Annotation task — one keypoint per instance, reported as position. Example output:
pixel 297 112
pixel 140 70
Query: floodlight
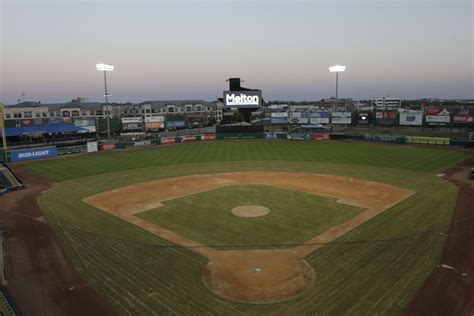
pixel 337 68
pixel 104 67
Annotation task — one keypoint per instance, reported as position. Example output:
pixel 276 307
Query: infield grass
pixel 372 270
pixel 295 217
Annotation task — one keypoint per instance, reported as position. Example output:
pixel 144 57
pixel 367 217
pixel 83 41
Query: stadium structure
pixel 234 207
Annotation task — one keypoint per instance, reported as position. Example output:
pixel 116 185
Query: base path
pixel 252 276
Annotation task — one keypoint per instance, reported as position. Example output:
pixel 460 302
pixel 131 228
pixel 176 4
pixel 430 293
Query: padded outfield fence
pixel 229 133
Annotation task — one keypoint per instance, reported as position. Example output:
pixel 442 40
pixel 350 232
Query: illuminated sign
pixel 242 99
pixel 250 99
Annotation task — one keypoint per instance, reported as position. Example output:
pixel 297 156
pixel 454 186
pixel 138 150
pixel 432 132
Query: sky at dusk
pixel 166 50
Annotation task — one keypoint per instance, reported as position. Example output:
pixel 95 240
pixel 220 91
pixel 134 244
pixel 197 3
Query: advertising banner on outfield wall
pixel 141 143
pixel 428 140
pixel 271 136
pixel 168 140
pixel 341 117
pixel 318 137
pixel 208 137
pixel 92 147
pixel 385 138
pixel 414 118
pixel 188 138
pixel 106 147
pixel 31 154
pixel 437 116
pixel 464 116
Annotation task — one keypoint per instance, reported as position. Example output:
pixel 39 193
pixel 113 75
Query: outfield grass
pixel 295 216
pixel 361 273
pixel 422 159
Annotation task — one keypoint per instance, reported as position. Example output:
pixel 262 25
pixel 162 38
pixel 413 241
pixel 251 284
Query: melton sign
pixel 242 98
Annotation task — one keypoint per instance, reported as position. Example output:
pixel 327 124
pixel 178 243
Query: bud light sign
pixel 31 154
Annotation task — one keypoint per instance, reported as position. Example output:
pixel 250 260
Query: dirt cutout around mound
pixel 250 211
pixel 252 276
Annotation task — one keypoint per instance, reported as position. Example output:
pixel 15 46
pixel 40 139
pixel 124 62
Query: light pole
pixel 105 68
pixel 337 69
pixel 4 136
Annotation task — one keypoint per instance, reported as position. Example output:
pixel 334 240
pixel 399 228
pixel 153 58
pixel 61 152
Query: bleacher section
pixel 8 181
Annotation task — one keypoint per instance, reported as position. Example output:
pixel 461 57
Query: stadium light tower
pixel 337 69
pixel 2 129
pixel 105 68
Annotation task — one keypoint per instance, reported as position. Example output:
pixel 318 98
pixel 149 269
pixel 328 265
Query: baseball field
pixel 253 227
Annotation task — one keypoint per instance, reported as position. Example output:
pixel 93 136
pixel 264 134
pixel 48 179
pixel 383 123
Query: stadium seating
pixel 8 181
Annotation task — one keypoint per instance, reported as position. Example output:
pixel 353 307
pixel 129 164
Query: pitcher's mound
pixel 258 276
pixel 250 211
